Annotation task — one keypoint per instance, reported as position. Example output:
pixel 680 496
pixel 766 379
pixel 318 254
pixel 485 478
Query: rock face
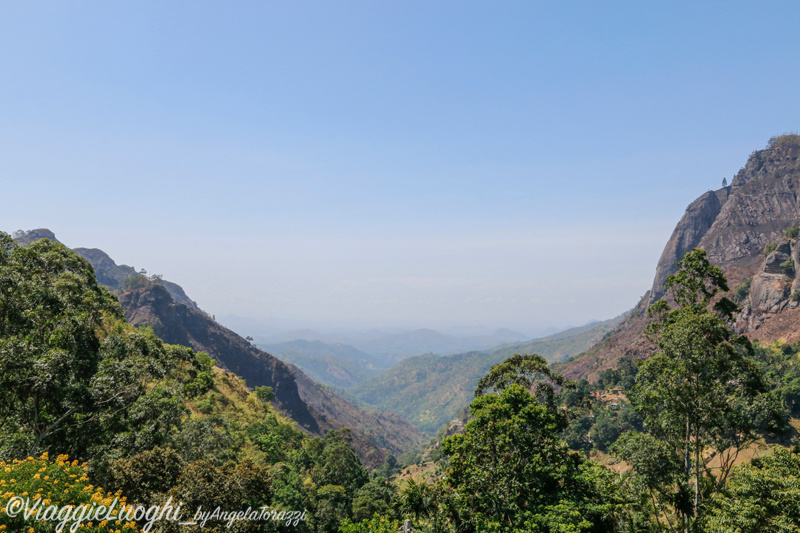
pixel 695 223
pixel 734 225
pixel 113 275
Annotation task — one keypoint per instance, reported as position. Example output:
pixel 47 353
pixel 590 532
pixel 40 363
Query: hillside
pixel 150 303
pixel 429 390
pixel 337 365
pixel 297 394
pixel 746 228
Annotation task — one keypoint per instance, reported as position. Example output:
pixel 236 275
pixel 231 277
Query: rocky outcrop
pixel 113 276
pixel 695 223
pixel 734 225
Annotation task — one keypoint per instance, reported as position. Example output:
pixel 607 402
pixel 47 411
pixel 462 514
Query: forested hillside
pixel 429 390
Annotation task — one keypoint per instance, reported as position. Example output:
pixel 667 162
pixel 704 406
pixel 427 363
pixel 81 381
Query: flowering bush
pixel 52 492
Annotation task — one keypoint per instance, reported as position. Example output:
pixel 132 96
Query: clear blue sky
pixel 425 163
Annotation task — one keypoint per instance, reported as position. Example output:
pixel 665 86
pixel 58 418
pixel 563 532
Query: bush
pixel 769 248
pixel 795 296
pixel 265 394
pixel 742 291
pixel 788 139
pixel 378 524
pixel 792 233
pixel 57 483
pixel 787 267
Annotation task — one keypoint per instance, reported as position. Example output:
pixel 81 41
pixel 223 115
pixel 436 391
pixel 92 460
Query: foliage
pixel 376 524
pixel 770 247
pixel 792 233
pixel 761 497
pixel 265 394
pixel 375 497
pixel 741 292
pixel 702 389
pixel 785 140
pixel 509 470
pixel 787 267
pixel 72 373
pixel 59 483
pixel 780 363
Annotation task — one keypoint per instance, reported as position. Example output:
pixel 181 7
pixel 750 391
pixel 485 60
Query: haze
pixel 387 164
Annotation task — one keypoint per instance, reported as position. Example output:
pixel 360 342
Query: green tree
pixel 761 497
pixel 265 394
pixel 701 390
pixel 375 497
pixel 509 471
pixel 50 310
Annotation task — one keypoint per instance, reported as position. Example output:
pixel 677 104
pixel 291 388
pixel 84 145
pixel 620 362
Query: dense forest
pixel 697 437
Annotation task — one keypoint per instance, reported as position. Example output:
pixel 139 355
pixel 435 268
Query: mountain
pixel 151 303
pixel 429 390
pixel 337 365
pixel 419 341
pixel 747 231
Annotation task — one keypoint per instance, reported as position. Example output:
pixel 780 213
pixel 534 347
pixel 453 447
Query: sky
pixel 387 163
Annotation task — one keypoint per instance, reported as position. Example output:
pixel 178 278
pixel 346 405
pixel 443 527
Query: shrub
pixel 741 292
pixel 769 248
pixel 792 233
pixel 265 394
pixel 787 267
pixel 378 524
pixel 782 141
pixel 57 483
pixel 795 296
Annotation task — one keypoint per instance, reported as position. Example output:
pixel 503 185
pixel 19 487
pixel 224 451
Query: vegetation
pixel 742 291
pixel 701 392
pixel 151 422
pixel 770 247
pixel 785 140
pixel 429 391
pixel 787 267
pixel 792 233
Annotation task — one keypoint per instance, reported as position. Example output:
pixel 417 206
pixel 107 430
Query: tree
pixel 73 376
pixel 761 497
pixel 265 394
pixel 510 471
pixel 701 390
pixel 50 307
pixel 724 182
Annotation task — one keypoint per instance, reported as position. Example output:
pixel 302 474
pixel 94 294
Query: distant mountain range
pixel 388 348
pixel 337 365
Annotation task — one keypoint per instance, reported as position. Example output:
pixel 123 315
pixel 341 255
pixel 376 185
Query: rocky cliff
pixel 734 225
pixel 176 323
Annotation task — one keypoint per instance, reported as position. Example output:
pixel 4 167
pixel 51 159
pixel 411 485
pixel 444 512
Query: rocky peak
pixel 735 223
